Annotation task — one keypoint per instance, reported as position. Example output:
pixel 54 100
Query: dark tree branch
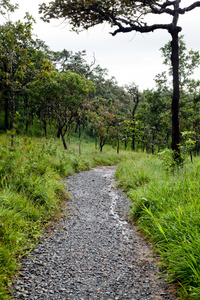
pixel 189 8
pixel 161 10
pixel 142 29
pixel 166 4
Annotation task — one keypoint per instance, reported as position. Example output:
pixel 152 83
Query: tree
pixel 60 96
pixel 38 66
pixel 74 62
pixel 133 92
pixel 103 121
pixel 21 59
pixel 14 43
pixel 127 16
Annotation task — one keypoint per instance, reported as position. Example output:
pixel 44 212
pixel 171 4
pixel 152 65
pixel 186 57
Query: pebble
pixel 92 252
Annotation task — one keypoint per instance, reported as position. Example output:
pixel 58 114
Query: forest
pixel 60 114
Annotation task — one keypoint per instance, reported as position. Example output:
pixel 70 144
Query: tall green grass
pixel 166 206
pixel 32 192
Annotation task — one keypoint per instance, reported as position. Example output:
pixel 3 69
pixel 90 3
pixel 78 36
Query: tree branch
pixel 142 29
pixel 189 8
pixel 161 10
pixel 166 4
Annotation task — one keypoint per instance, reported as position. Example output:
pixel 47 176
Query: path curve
pixel 92 252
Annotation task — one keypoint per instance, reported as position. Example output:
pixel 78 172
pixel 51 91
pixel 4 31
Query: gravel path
pixel 92 252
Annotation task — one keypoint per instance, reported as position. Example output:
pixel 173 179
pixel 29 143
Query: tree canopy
pixel 126 15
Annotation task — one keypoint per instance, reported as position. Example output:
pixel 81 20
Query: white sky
pixel 131 57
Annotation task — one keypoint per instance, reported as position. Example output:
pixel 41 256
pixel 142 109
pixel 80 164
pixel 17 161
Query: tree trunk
pixel 26 114
pixel 125 143
pixel 133 142
pixel 27 124
pixel 6 112
pixel 63 140
pixel 79 130
pixel 13 119
pixel 133 119
pixel 45 127
pixel 81 138
pixel 176 93
pixel 96 142
pixel 152 142
pixel 117 139
pixel 152 148
pixel 101 144
pixel 69 133
pixel 58 133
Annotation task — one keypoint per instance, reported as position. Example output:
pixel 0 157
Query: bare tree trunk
pixel 101 144
pixel 81 138
pixel 58 133
pixel 176 95
pixel 136 101
pixel 6 112
pixel 13 119
pixel 133 141
pixel 62 131
pixel 45 127
pixel 174 31
pixel 96 142
pixel 117 139
pixel 64 142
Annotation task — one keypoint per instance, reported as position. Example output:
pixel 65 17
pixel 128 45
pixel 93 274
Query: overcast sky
pixel 131 57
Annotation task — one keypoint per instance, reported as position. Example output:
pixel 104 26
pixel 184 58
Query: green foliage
pixel 189 143
pixel 86 14
pixel 20 61
pixel 169 163
pixel 7 7
pixel 60 96
pixel 188 61
pixel 14 38
pixel 167 209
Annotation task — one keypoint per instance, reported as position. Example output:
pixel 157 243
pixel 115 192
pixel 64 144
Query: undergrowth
pixel 166 206
pixel 32 192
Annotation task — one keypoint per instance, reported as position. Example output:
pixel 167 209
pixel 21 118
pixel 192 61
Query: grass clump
pixel 166 206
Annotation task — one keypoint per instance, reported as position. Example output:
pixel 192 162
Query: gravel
pixel 92 252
